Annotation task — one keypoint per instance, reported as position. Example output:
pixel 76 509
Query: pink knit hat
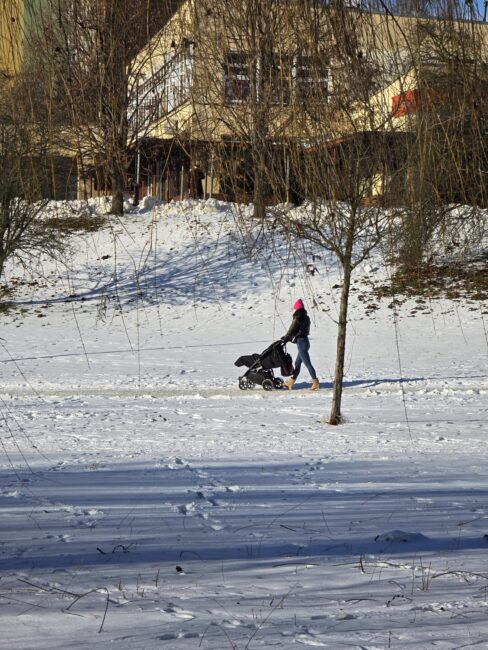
pixel 298 304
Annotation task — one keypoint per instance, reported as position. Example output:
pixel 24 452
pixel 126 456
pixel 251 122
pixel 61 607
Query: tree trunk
pixel 117 203
pixel 259 194
pixel 260 160
pixel 335 413
pixel 117 180
pixel 260 132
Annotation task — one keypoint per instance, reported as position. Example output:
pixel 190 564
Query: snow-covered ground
pixel 147 502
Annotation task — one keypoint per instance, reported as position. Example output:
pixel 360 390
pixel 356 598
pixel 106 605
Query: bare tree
pixel 87 67
pixel 24 235
pixel 447 152
pixel 347 227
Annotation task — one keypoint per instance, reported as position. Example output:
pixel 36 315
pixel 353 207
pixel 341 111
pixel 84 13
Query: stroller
pixel 260 367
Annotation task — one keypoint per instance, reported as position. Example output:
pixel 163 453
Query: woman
pixel 298 333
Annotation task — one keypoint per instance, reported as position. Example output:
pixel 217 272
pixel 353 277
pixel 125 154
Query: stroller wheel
pixel 278 382
pixel 268 384
pixel 243 384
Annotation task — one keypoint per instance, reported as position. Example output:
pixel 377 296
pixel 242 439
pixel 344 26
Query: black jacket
pixel 300 326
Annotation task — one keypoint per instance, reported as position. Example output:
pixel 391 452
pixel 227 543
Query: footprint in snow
pixel 305 639
pixel 11 493
pixel 400 536
pixel 58 466
pixel 178 612
pixel 193 509
pixel 202 515
pixel 232 624
pixel 177 463
pixel 232 488
pixel 172 636
pixel 60 538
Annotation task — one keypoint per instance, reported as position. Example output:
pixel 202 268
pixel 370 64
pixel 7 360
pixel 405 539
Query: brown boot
pixel 289 383
pixel 315 384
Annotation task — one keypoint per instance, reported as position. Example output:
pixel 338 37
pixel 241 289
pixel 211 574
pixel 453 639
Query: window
pixel 312 78
pixel 236 77
pixel 281 80
pixel 276 78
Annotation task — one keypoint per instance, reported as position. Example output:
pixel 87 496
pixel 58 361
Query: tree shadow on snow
pixel 277 513
pixel 195 273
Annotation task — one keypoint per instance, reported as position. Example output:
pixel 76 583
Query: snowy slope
pixel 146 502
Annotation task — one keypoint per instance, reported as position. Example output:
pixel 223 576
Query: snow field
pixel 148 503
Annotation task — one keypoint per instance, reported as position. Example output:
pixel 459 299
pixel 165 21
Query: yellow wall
pixel 205 115
pixel 11 36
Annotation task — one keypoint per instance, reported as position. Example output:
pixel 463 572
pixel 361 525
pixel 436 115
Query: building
pixel 215 86
pixel 12 21
pixel 31 39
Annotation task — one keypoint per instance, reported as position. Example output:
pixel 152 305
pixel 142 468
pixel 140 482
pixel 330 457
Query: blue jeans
pixel 303 346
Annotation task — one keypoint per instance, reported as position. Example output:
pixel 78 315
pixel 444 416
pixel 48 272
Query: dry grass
pixel 76 223
pixel 452 281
